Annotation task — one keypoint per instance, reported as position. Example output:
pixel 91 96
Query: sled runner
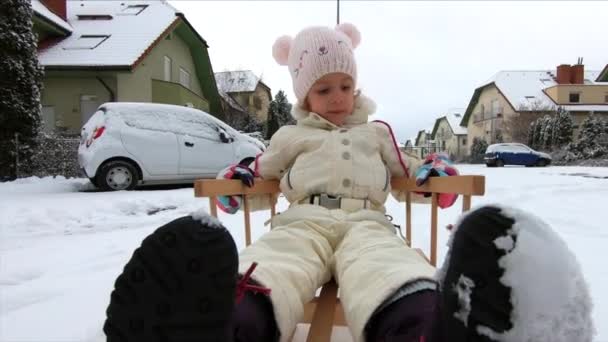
pixel 325 311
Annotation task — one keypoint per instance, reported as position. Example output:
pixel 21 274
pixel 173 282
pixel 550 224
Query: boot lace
pixel 244 284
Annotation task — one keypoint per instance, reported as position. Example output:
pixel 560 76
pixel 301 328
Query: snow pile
pixel 206 219
pixel 49 184
pixel 550 297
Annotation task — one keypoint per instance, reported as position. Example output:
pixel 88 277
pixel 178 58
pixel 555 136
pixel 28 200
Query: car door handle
pixel 188 144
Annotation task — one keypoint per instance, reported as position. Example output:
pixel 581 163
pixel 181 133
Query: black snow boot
pixel 179 285
pixel 509 277
pixel 472 294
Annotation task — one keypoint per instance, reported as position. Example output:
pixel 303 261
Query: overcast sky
pixel 416 59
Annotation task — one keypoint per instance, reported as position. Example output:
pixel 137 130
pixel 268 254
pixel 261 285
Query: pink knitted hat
pixel 316 52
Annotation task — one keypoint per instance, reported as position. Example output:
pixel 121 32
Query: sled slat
pixel 213 206
pixel 434 207
pixel 247 220
pixel 322 320
pixel 408 218
pixel 466 202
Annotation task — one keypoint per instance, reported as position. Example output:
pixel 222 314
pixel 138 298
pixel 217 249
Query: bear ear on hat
pixel 280 49
pixel 351 32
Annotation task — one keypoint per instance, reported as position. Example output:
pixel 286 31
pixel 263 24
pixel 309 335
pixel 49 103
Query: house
pixel 513 97
pixel 449 136
pixel 409 144
pixel 128 51
pixel 424 144
pixel 243 93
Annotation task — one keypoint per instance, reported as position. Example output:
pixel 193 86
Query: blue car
pixel 514 154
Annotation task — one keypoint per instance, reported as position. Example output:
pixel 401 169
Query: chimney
pixel 58 7
pixel 563 74
pixel 577 72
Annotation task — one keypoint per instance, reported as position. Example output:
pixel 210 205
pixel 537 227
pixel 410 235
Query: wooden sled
pixel 324 312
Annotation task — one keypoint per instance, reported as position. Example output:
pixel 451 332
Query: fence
pixel 54 155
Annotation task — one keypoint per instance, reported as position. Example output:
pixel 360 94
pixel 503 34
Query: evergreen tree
pixel 498 137
pixel 531 132
pixel 538 130
pixel 546 132
pixel 564 126
pixel 588 144
pixel 279 114
pixel 478 150
pixel 20 85
pixel 283 109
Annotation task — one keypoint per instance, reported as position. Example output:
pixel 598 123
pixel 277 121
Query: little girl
pixel 186 282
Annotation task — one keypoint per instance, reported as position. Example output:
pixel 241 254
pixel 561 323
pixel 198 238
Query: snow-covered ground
pixel 62 246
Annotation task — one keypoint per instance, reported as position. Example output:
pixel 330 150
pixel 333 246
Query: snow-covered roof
pixel 525 88
pixel 40 9
pixel 454 117
pixel 120 41
pixel 236 81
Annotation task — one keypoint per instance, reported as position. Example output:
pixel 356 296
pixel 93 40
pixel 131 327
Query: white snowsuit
pixel 308 244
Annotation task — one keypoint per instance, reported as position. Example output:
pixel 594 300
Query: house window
pixel 606 98
pixel 133 9
pixel 257 102
pixel 167 69
pixel 495 108
pixel 184 78
pixel 87 41
pixel 483 112
pixel 464 141
pixel 575 97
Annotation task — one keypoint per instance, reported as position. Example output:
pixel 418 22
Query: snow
pixel 464 289
pixel 169 118
pixel 129 35
pixel 41 10
pixel 236 81
pixel 524 87
pixel 547 294
pixel 62 245
pixel 206 219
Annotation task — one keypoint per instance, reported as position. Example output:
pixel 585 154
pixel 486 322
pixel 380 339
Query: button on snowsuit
pixel 308 244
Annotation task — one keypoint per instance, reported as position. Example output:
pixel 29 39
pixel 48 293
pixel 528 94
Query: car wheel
pixel 541 163
pixel 490 165
pixel 499 163
pixel 117 175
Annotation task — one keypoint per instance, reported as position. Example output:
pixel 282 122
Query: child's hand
pixel 244 173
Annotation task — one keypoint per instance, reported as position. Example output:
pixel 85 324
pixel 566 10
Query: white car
pixel 128 144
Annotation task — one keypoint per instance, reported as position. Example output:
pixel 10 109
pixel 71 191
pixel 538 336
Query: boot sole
pixel 178 286
pixel 474 257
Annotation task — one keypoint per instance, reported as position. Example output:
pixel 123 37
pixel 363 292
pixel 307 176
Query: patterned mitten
pixel 231 204
pixel 437 165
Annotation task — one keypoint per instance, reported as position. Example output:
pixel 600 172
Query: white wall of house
pixel 483 121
